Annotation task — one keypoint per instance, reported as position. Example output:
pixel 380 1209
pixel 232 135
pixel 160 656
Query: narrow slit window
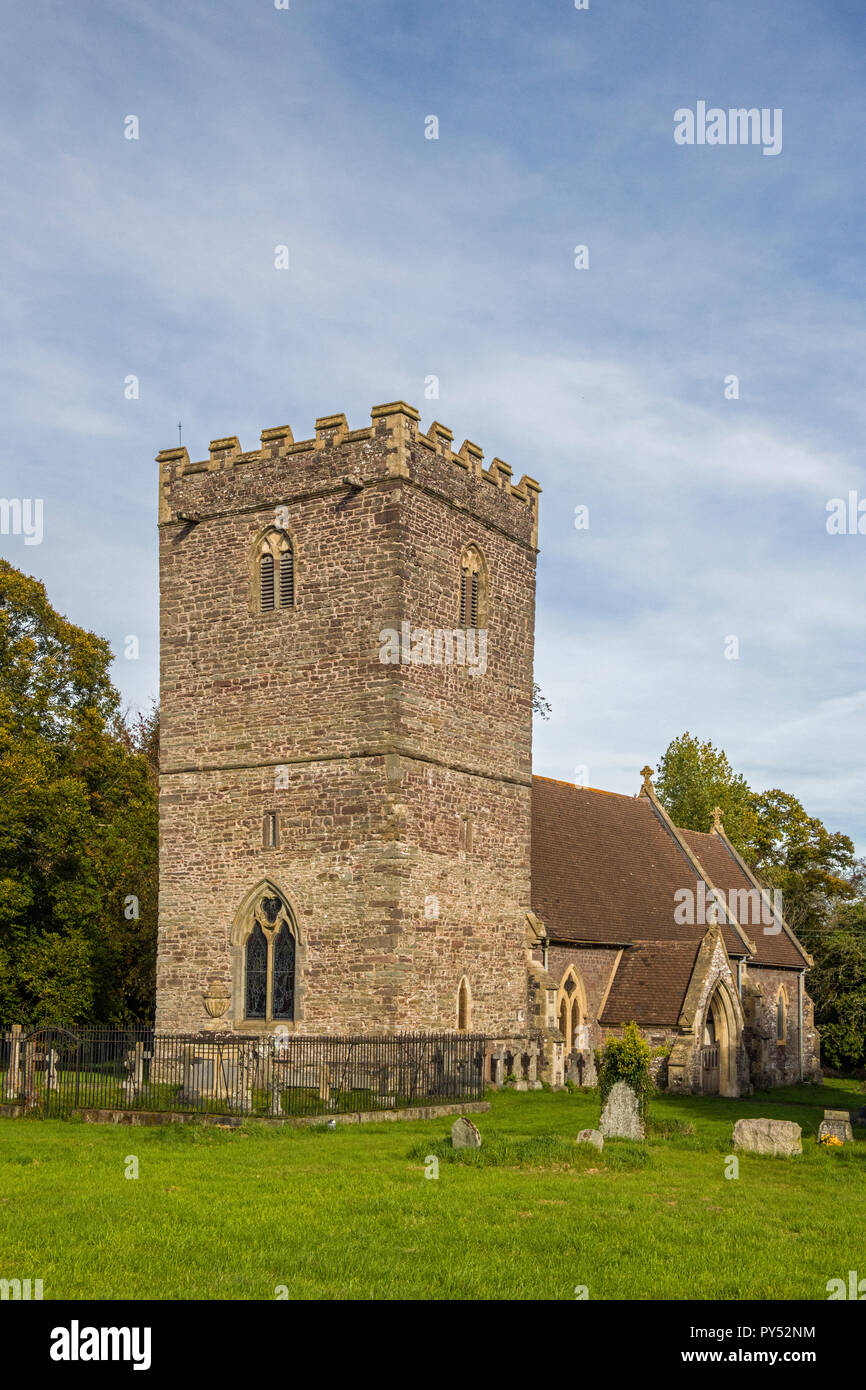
pixel 270 836
pixel 463 1008
pixel 473 589
pixel 266 565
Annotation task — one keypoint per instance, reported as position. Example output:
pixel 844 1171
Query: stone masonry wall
pixel 383 763
pixel 775 1063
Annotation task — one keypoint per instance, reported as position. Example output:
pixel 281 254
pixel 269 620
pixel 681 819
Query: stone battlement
pixel 398 419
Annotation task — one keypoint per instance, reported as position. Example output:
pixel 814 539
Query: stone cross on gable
pixel 717 828
pixel 647 774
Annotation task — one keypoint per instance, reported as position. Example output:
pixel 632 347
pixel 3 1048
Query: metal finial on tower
pixel 179 440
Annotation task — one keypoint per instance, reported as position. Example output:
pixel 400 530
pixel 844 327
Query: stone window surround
pixel 271 540
pixel 472 561
pixel 242 928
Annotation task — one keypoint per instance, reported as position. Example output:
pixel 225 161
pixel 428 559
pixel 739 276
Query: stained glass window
pixel 256 974
pixel 283 998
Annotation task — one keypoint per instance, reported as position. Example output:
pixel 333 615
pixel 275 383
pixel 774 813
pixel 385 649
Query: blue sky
pixel 454 257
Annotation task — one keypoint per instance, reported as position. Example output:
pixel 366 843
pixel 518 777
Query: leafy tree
pixel 838 980
pixel 626 1059
pixel 693 778
pixel 815 868
pixel 78 829
pixel 822 882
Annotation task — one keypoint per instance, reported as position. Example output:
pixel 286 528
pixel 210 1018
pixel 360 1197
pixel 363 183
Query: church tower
pixel 346 695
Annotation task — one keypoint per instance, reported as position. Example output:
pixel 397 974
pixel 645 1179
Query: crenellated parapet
pixel 396 425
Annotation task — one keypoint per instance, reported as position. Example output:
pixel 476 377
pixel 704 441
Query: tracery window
pixel 270 955
pixel 273 571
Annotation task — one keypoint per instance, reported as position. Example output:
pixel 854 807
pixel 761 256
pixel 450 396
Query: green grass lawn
pixel 349 1214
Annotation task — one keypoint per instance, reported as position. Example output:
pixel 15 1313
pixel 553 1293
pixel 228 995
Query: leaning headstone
pixel 836 1124
pixel 621 1117
pixel 591 1136
pixel 780 1137
pixel 464 1135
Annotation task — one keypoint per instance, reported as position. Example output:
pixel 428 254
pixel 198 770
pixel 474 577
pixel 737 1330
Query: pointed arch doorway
pixel 718 1045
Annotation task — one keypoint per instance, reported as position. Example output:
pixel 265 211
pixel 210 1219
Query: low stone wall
pixel 354 1117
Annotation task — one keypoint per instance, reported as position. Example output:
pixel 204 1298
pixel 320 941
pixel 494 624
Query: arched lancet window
pixel 273 572
pixel 283 991
pixel 256 974
pixel 267 941
pixel 464 1007
pixel 571 1009
pixel 473 588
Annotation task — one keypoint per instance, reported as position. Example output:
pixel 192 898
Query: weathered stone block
pixel 761 1136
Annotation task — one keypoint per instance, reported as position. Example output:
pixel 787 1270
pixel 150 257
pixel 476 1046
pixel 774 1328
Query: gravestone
pixel 464 1135
pixel 621 1117
pixel 198 1080
pixel 860 1116
pixel 586 1072
pixel 133 1062
pixel 591 1136
pixel 12 1072
pixel 837 1124
pixel 52 1076
pixel 242 1093
pixel 780 1137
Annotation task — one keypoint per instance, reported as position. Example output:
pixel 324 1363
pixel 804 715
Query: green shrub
pixel 626 1059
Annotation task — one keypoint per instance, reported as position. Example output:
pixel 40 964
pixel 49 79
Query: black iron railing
pixel 54 1071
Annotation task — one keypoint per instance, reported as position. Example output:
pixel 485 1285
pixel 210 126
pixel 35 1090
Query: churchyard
pixel 387 1211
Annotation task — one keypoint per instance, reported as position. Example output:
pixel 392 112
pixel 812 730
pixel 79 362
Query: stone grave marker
pixel 591 1136
pixel 621 1117
pixel 837 1123
pixel 464 1135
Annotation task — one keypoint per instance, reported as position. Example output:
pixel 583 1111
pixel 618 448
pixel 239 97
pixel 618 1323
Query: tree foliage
pixel 822 882
pixel 839 981
pixel 693 778
pixel 78 825
pixel 626 1059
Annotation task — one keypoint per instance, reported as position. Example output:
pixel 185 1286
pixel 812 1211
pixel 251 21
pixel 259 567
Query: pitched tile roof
pixel 651 983
pixel 605 869
pixel 771 947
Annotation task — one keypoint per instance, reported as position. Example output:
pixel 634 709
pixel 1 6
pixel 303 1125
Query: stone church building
pixel 351 838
